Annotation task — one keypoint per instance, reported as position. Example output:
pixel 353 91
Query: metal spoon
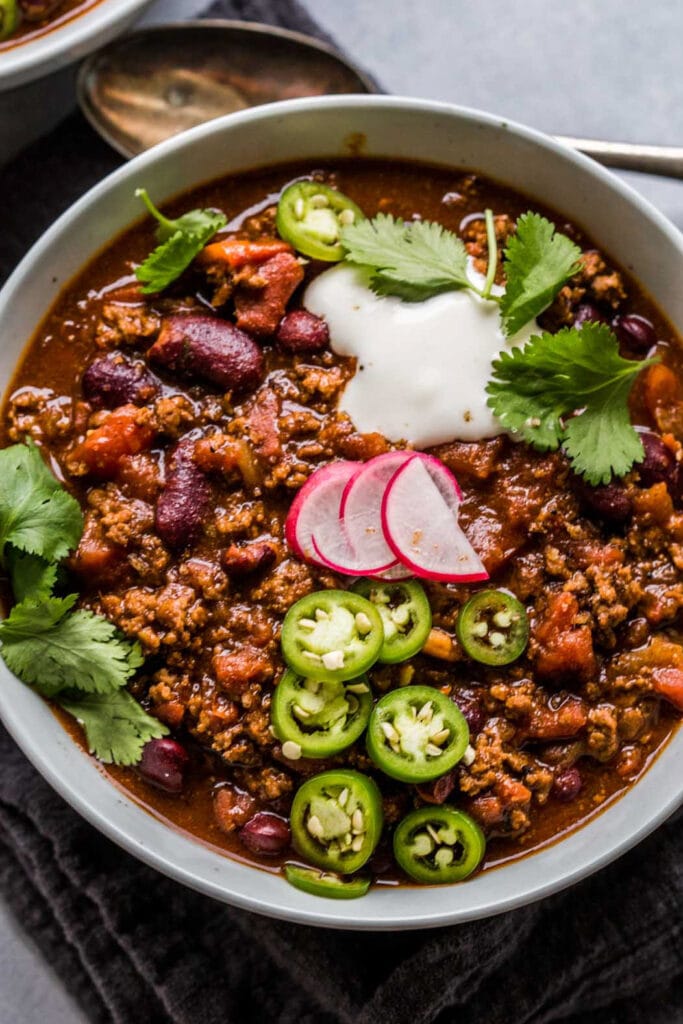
pixel 154 83
pixel 157 82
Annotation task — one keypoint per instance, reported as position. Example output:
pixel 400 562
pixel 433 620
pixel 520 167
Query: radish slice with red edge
pixel 396 572
pixel 361 511
pixel 317 501
pixel 448 486
pixel 422 530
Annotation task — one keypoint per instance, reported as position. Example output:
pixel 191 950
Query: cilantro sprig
pixel 571 389
pixel 417 260
pixel 413 261
pixel 115 725
pixel 53 648
pixel 180 241
pixel 36 514
pixel 538 262
pixel 69 655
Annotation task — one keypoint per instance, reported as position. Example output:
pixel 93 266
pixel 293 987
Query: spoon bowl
pixel 157 82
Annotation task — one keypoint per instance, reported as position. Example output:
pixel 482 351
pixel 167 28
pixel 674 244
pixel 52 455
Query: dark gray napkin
pixel 133 946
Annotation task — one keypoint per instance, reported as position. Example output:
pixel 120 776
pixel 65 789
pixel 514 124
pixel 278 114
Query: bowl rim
pixel 290 906
pixel 57 47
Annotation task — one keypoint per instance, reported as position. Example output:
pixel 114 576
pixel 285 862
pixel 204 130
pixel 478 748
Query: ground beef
pixel 126 325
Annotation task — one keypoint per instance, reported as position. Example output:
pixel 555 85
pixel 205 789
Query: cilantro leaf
pixel 538 262
pixel 413 261
pixel 533 388
pixel 37 514
pixel 52 650
pixel 116 726
pixel 181 240
pixel 31 576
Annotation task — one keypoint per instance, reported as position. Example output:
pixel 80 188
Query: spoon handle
pixel 631 156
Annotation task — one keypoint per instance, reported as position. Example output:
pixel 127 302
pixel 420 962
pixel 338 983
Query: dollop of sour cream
pixel 422 367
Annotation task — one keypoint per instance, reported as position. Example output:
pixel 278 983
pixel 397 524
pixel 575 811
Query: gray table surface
pixel 610 69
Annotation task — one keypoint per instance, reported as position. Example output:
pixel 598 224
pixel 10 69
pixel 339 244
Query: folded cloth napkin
pixel 133 946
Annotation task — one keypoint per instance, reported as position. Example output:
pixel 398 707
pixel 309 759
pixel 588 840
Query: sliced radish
pixel 422 530
pixel 361 511
pixel 444 480
pixel 332 548
pixel 317 501
pixel 396 572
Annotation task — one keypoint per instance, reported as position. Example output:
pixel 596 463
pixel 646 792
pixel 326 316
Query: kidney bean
pixel 610 501
pixel 38 10
pixel 635 332
pixel 301 331
pixel 658 464
pixel 182 504
pixel 113 381
pixel 439 790
pixel 210 349
pixel 164 763
pixel 472 711
pixel 265 833
pixel 242 559
pixel 588 313
pixel 567 785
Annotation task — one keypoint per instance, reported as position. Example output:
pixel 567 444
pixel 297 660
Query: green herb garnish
pixel 538 262
pixel 535 390
pixel 115 725
pixel 31 576
pixel 75 657
pixel 413 261
pixel 419 259
pixel 181 240
pixel 36 514
pixel 52 650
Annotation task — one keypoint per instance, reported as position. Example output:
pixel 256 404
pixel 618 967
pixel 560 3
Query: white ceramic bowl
pixel 66 43
pixel 620 221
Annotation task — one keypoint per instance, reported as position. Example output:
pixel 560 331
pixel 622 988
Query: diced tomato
pixel 260 301
pixel 237 671
pixel 95 557
pixel 564 649
pixel 668 683
pixel 661 387
pixel 171 712
pixel 124 432
pixel 239 252
pixel 557 723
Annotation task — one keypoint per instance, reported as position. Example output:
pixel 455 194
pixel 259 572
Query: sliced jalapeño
pixel 416 733
pixel 493 627
pixel 336 820
pixel 325 883
pixel 406 616
pixel 321 717
pixel 438 845
pixel 310 216
pixel 332 635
